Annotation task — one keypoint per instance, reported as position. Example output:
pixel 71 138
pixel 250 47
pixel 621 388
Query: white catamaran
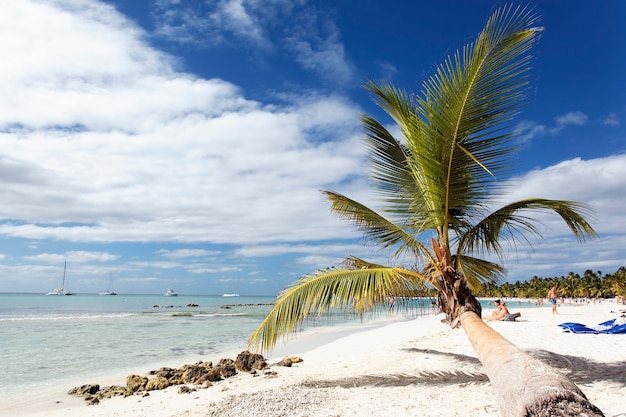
pixel 61 291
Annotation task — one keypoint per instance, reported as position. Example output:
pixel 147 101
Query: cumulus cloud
pixel 315 41
pixel 529 130
pixel 76 257
pixel 598 183
pixel 104 139
pixel 306 34
pixel 125 148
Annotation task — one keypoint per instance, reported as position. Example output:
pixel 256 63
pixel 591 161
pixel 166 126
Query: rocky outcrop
pixel 247 361
pixel 136 383
pixel 200 375
pixel 289 360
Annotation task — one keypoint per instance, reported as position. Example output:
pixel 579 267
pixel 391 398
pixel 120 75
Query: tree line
pixel 592 284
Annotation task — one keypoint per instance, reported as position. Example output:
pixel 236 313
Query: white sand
pixel 394 367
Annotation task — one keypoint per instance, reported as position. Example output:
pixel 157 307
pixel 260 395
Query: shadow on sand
pixel 579 370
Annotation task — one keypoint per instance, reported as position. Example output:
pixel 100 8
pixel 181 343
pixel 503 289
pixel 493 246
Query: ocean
pixel 66 341
pixel 52 341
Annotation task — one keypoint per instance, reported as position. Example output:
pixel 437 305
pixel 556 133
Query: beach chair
pixel 580 329
pixel 608 323
pixel 600 326
pixel 618 329
pixel 569 323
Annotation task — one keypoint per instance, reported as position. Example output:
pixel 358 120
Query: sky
pixel 183 143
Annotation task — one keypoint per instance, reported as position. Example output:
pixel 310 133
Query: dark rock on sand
pixel 136 383
pixel 247 361
pixel 198 374
pixel 157 383
pixel 287 361
pixel 186 390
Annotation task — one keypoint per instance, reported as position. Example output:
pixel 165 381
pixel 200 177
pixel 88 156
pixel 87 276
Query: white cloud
pixel 599 183
pixel 80 257
pixel 103 139
pixel 308 34
pixel 388 71
pixel 611 120
pixel 186 253
pixel 576 118
pixel 528 130
pixel 155 154
pixel 315 42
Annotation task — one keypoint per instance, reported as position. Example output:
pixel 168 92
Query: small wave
pixel 221 314
pixel 58 317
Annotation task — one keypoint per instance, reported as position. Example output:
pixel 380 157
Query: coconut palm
pixel 438 182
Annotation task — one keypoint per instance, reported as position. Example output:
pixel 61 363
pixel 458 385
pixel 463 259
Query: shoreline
pixel 395 365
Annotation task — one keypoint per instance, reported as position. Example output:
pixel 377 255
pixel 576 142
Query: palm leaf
pixel 377 228
pixel 479 271
pixel 401 184
pixel 356 290
pixel 467 104
pixel 507 224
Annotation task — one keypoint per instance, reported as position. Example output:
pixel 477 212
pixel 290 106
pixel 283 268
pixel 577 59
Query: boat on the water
pixel 109 292
pixel 170 293
pixel 61 290
pixel 230 295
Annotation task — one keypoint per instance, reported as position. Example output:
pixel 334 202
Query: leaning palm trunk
pixel 523 386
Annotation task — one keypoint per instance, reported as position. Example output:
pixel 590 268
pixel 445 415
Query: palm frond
pixel 377 228
pixel 404 188
pixel 357 290
pixel 479 271
pixel 388 160
pixel 395 102
pixel 467 104
pixel 507 224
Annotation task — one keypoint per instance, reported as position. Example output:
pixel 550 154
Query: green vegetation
pixel 590 285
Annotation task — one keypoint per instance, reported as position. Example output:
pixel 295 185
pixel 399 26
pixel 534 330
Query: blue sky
pixel 183 143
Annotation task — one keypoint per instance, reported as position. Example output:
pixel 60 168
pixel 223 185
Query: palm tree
pixel 438 182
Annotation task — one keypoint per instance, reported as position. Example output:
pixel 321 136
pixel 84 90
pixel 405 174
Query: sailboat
pixel 109 292
pixel 61 291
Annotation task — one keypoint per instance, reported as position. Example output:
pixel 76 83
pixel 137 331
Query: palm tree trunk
pixel 523 386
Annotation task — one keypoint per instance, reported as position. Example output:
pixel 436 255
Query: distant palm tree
pixel 438 182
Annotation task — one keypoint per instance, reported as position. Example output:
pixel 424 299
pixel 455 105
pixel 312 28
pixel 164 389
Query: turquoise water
pixel 58 340
pixel 65 341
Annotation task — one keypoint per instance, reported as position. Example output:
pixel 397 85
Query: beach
pixel 392 366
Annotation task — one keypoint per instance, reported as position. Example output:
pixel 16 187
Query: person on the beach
pixel 552 296
pixel 509 316
pixel 502 313
pixel 498 313
pixel 392 303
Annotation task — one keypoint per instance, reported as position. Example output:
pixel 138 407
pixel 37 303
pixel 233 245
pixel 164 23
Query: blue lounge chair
pixel 580 329
pixel 608 323
pixel 619 329
pixel 569 324
pixel 601 326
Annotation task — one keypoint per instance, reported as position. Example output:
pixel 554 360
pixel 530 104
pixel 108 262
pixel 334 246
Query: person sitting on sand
pixel 498 313
pixel 502 313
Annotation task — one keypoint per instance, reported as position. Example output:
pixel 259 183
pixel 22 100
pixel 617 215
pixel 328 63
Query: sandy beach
pixel 392 366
